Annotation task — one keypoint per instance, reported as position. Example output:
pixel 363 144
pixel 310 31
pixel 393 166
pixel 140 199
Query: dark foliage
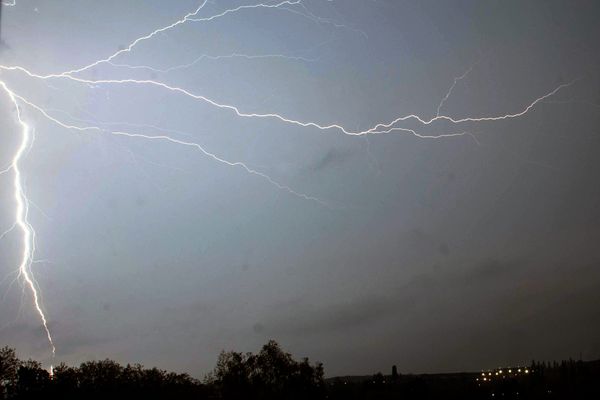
pixel 273 374
pixel 9 367
pixel 270 374
pixel 92 380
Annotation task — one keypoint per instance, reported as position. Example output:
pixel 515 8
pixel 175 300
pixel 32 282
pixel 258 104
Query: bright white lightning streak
pixel 377 129
pixel 135 42
pixel 388 127
pixel 244 7
pixel 171 140
pixel 21 218
pixel 186 18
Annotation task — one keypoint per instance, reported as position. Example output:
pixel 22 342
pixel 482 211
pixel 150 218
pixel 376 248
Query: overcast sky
pixel 448 254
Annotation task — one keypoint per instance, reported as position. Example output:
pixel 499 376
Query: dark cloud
pixel 337 317
pixel 493 270
pixel 333 158
pixel 258 328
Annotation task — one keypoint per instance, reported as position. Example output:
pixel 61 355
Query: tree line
pixel 269 374
pixel 274 374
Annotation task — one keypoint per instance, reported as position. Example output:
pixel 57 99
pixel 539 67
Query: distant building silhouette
pixel 394 373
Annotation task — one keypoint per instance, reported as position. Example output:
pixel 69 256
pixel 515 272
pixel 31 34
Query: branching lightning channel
pixel 169 139
pixel 404 124
pixel 135 42
pixel 21 218
pixel 377 129
pixel 188 17
pixel 449 92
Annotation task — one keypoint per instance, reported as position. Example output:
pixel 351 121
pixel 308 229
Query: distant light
pixel 510 371
pixel 500 371
pixel 483 374
pixel 526 371
pixel 519 369
pixel 490 374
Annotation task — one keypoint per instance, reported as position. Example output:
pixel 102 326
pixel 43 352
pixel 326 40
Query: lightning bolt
pixel 21 218
pixel 377 129
pixel 164 138
pixel 403 124
pixel 187 18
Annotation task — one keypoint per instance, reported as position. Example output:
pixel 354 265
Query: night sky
pixel 435 254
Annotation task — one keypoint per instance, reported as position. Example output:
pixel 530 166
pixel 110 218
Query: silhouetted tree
pixel 270 374
pixel 9 367
pixel 65 380
pixel 33 380
pixel 96 376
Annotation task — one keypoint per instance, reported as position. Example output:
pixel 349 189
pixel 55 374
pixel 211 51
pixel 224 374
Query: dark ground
pixel 274 374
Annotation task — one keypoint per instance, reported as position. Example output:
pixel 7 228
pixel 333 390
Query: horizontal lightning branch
pixel 169 139
pixel 379 128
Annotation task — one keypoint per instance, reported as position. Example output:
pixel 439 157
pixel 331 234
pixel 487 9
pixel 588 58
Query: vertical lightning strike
pixel 21 218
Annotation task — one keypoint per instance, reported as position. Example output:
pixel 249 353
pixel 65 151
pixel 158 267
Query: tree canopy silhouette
pixel 92 380
pixel 269 374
